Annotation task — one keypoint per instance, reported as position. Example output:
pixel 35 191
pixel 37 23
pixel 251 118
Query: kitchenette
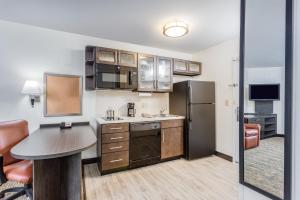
pixel 148 118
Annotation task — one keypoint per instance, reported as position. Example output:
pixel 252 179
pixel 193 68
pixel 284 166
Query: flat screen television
pixel 264 92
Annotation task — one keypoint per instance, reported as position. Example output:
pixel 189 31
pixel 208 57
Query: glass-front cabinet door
pixel 164 75
pixel 180 65
pixel 146 73
pixel 127 58
pixel 194 67
pixel 106 56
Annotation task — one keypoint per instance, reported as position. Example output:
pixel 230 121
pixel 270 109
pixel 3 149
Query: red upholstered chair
pixel 251 135
pixel 13 169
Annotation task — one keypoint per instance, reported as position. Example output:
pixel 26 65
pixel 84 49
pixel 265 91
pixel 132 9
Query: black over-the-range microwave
pixel 116 77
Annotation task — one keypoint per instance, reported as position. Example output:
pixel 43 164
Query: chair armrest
pixel 252 126
pixel 2 175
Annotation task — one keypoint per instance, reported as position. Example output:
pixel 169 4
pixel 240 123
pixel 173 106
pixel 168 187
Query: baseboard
pixel 224 156
pixel 90 161
pixel 279 135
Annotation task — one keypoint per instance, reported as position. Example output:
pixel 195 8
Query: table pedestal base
pixel 58 178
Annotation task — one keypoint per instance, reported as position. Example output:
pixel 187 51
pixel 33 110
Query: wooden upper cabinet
pixel 164 74
pixel 155 73
pixel 188 68
pixel 127 58
pixel 171 142
pixel 146 73
pixel 106 56
pixel 194 67
pixel 180 66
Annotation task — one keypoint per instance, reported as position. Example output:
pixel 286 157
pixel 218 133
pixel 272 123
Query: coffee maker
pixel 131 110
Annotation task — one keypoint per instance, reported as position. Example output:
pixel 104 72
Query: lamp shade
pixel 31 88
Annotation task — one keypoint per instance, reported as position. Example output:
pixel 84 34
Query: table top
pixel 48 143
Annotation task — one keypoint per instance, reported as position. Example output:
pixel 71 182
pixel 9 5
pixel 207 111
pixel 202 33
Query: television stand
pixel 268 123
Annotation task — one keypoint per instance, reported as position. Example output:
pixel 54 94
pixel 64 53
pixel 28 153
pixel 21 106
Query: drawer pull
pixel 119 160
pixel 115 138
pixel 118 128
pixel 119 147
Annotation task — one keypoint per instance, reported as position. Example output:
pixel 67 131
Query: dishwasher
pixel 145 144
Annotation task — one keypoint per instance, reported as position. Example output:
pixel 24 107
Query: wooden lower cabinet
pixel 115 137
pixel 113 146
pixel 171 142
pixel 115 128
pixel 115 160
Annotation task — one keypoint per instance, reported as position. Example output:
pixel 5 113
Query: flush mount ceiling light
pixel 176 29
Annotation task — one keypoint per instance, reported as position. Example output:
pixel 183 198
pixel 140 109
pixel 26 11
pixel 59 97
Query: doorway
pixel 235 107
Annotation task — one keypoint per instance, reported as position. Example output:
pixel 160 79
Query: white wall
pixel 118 100
pixel 265 33
pixel 266 75
pixel 26 52
pixel 217 63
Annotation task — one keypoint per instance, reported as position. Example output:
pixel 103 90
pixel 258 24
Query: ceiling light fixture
pixel 176 29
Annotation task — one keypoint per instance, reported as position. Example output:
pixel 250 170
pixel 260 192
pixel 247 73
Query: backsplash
pixel 117 100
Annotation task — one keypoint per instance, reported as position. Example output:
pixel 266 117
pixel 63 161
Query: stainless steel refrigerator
pixel 196 101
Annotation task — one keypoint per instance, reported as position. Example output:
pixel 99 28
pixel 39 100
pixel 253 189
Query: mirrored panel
pixel 264 95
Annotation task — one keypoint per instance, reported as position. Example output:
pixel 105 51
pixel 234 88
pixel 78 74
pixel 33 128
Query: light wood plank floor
pixel 211 178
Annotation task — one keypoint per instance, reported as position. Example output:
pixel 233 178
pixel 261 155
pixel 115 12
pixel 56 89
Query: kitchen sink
pixel 112 119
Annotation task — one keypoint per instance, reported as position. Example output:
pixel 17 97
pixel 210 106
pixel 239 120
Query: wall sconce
pixel 32 88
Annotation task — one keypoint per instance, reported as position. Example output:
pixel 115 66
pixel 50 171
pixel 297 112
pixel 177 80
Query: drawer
pixel 115 128
pixel 172 123
pixel 115 137
pixel 115 147
pixel 115 160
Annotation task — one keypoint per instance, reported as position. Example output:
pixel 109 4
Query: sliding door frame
pixel 288 102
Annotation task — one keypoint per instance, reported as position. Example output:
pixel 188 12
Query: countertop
pixel 138 119
pixel 47 143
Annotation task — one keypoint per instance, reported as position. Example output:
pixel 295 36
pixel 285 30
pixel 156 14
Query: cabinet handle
pixel 163 135
pixel 115 138
pixel 119 128
pixel 119 160
pixel 119 147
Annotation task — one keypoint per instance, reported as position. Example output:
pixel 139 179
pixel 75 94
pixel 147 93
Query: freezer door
pixel 178 99
pixel 201 92
pixel 201 134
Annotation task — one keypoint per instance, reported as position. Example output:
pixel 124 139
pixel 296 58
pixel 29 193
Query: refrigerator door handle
pixel 189 110
pixel 190 113
pixel 189 95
